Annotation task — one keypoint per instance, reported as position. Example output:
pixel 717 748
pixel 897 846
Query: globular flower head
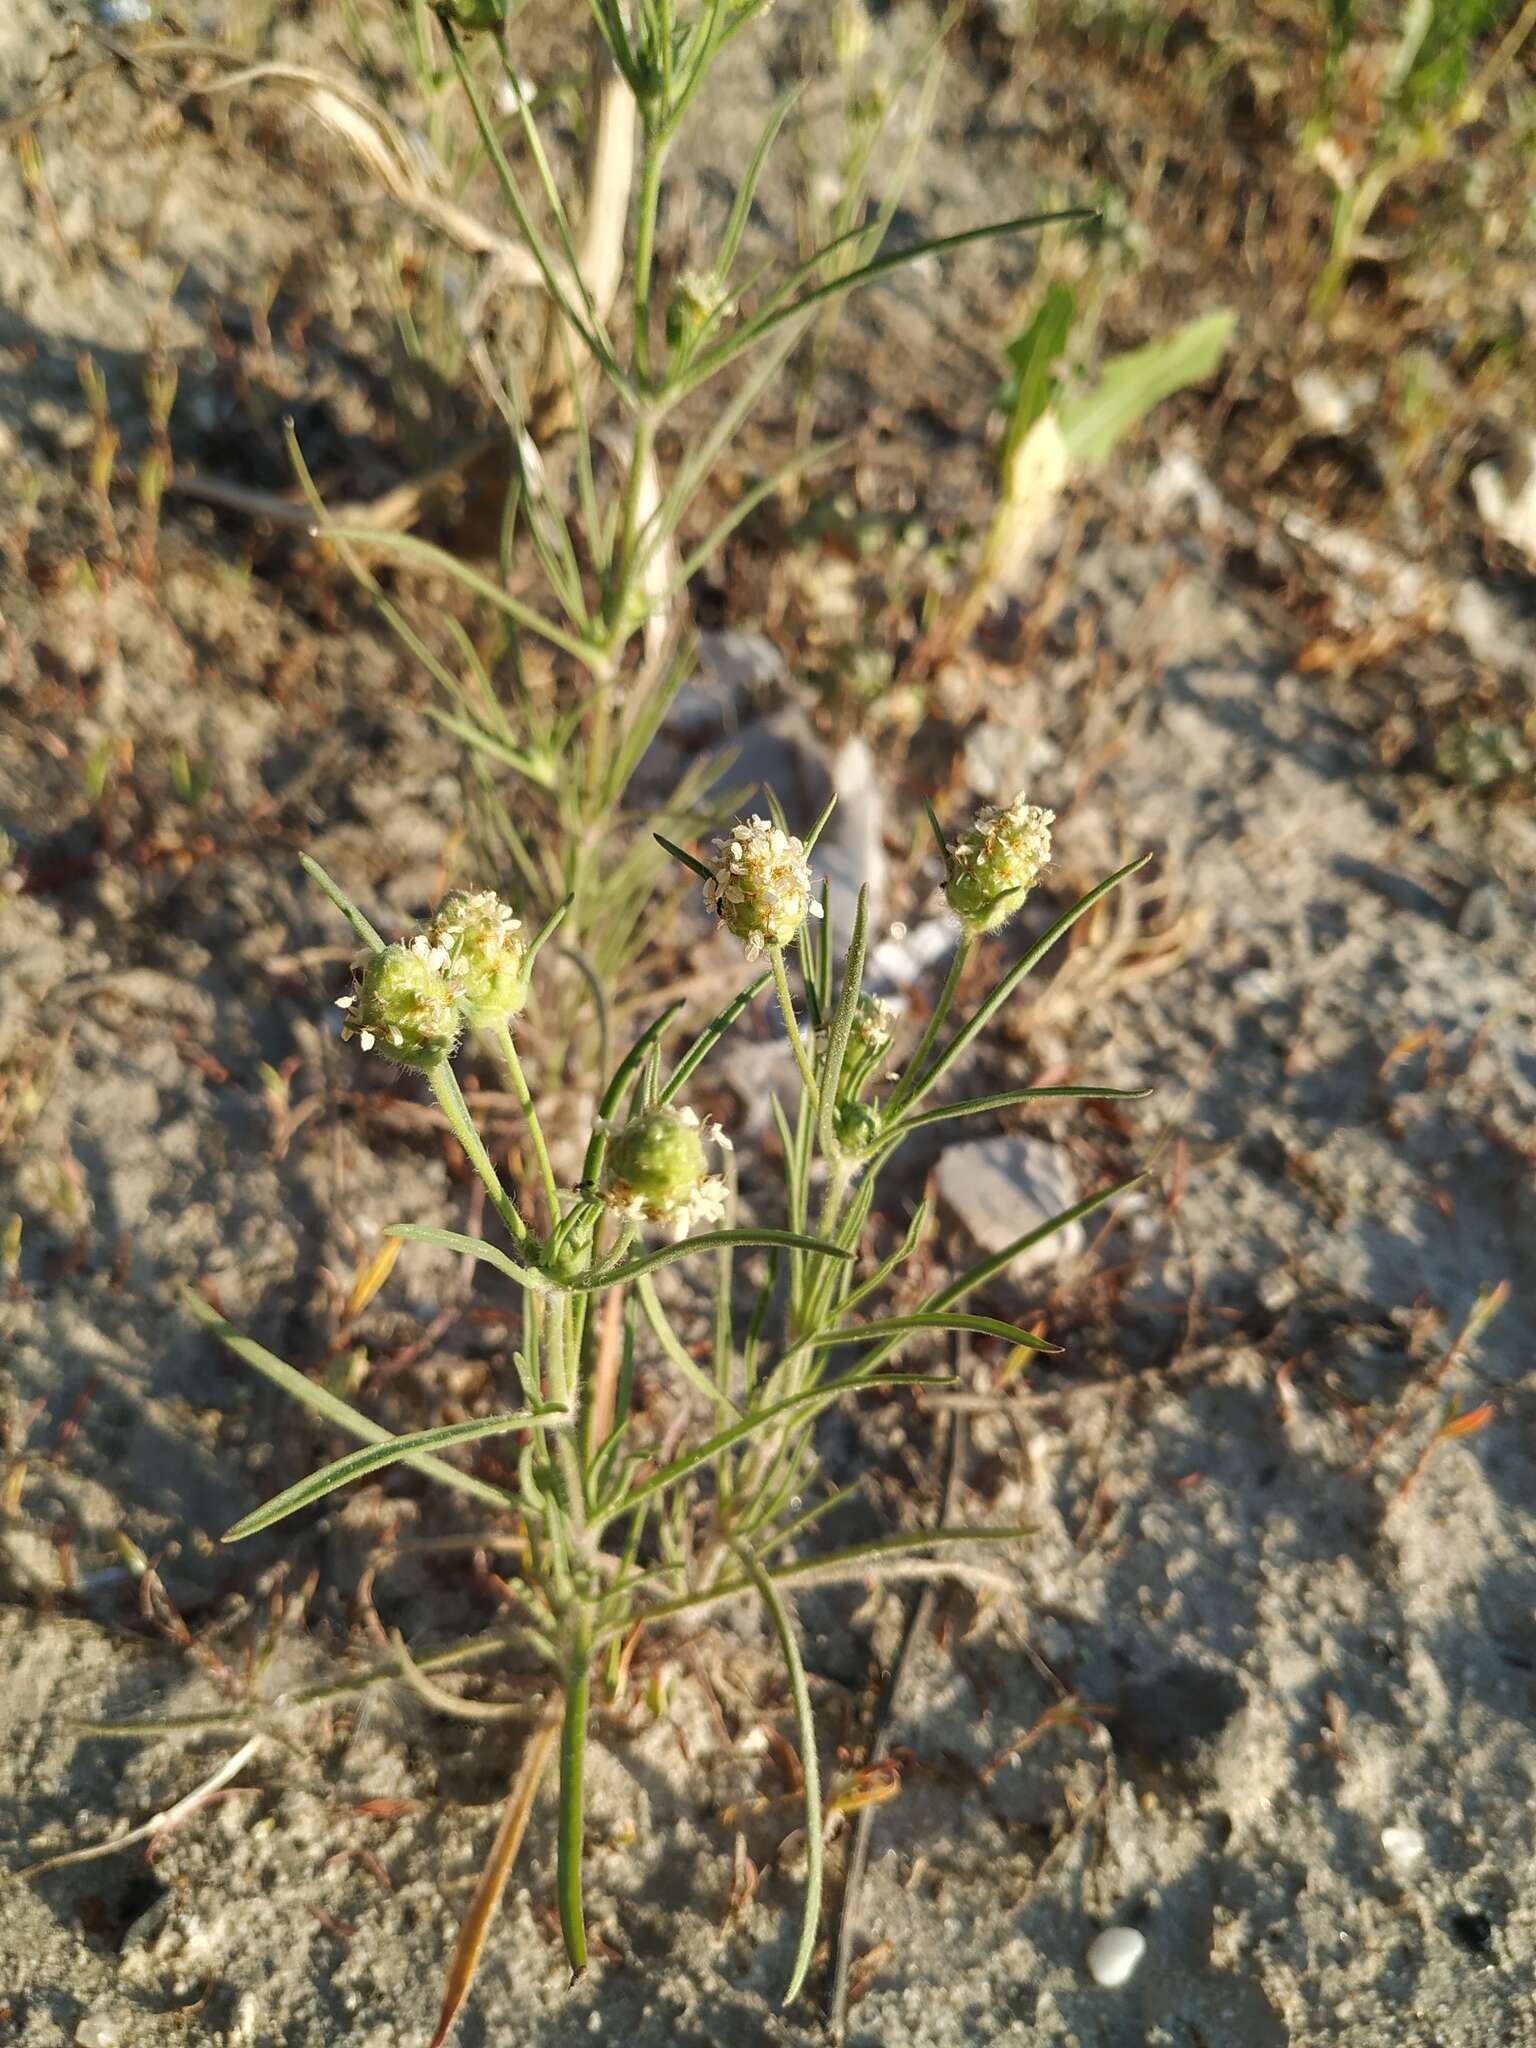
pixel 858 1126
pixel 487 954
pixel 656 1170
pixel 761 886
pixel 405 1003
pixel 993 867
pixel 874 1027
pixel 699 299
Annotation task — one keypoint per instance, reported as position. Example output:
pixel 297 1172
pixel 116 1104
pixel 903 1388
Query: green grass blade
pixel 374 1458
pixel 333 1410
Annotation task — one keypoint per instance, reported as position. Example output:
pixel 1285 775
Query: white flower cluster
pixel 412 999
pixel 761 886
pixel 656 1171
pixel 994 865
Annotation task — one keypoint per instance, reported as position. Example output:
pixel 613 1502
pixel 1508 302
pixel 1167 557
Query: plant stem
pixel 450 1100
pixel 515 1075
pixel 652 154
pixel 573 1756
pixel 787 1005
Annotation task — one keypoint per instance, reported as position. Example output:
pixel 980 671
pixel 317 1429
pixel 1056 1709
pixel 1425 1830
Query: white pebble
pixel 98 2030
pixel 1114 1954
pixel 1403 1846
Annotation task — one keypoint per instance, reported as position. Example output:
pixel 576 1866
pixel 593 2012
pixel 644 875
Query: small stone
pixel 1402 1846
pixel 1114 1954
pixel 999 1189
pixel 99 2030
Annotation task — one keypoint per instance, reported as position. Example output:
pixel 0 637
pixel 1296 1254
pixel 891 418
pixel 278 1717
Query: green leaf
pixel 805 1725
pixel 706 1241
pixel 471 1248
pixel 358 1465
pixel 914 1089
pixel 898 1326
pixel 343 903
pixel 976 1275
pixel 1130 385
pixel 330 1408
pixel 753 330
pixel 840 1028
pixel 688 860
pixel 1033 353
pixel 711 1035
pixel 808 1397
pixel 529 766
pixel 986 1105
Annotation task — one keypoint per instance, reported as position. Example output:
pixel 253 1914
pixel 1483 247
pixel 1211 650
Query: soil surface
pixel 1264 1686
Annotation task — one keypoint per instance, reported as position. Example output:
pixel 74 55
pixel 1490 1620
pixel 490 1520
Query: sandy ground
pixel 1274 1652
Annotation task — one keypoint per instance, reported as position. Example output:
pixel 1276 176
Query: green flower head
pixel 487 954
pixel 405 1003
pixel 656 1170
pixel 993 867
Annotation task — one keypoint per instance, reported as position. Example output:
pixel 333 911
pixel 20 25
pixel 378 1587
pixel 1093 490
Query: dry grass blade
pixel 476 1924
pixel 158 1823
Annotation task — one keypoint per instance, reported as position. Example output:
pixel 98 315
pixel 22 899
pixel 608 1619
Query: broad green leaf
pixel 1033 353
pixel 1130 385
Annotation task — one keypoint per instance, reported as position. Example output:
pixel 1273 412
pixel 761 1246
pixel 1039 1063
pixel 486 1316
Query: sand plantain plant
pixel 618 410
pixel 619 1532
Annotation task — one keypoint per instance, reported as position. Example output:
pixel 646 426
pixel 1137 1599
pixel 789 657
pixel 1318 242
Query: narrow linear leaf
pixel 810 1772
pixel 343 903
pixel 988 1009
pixel 358 1465
pixel 471 1248
pixel 442 563
pixel 987 1105
pixel 979 1274
pixel 900 1326
pixel 707 1241
pixel 333 1410
pixel 808 1397
pixel 679 853
pixel 711 1035
pixel 532 769
pixel 880 266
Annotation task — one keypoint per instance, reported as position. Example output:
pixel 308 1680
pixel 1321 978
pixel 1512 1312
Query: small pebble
pixel 1114 1954
pixel 98 2030
pixel 1403 1846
